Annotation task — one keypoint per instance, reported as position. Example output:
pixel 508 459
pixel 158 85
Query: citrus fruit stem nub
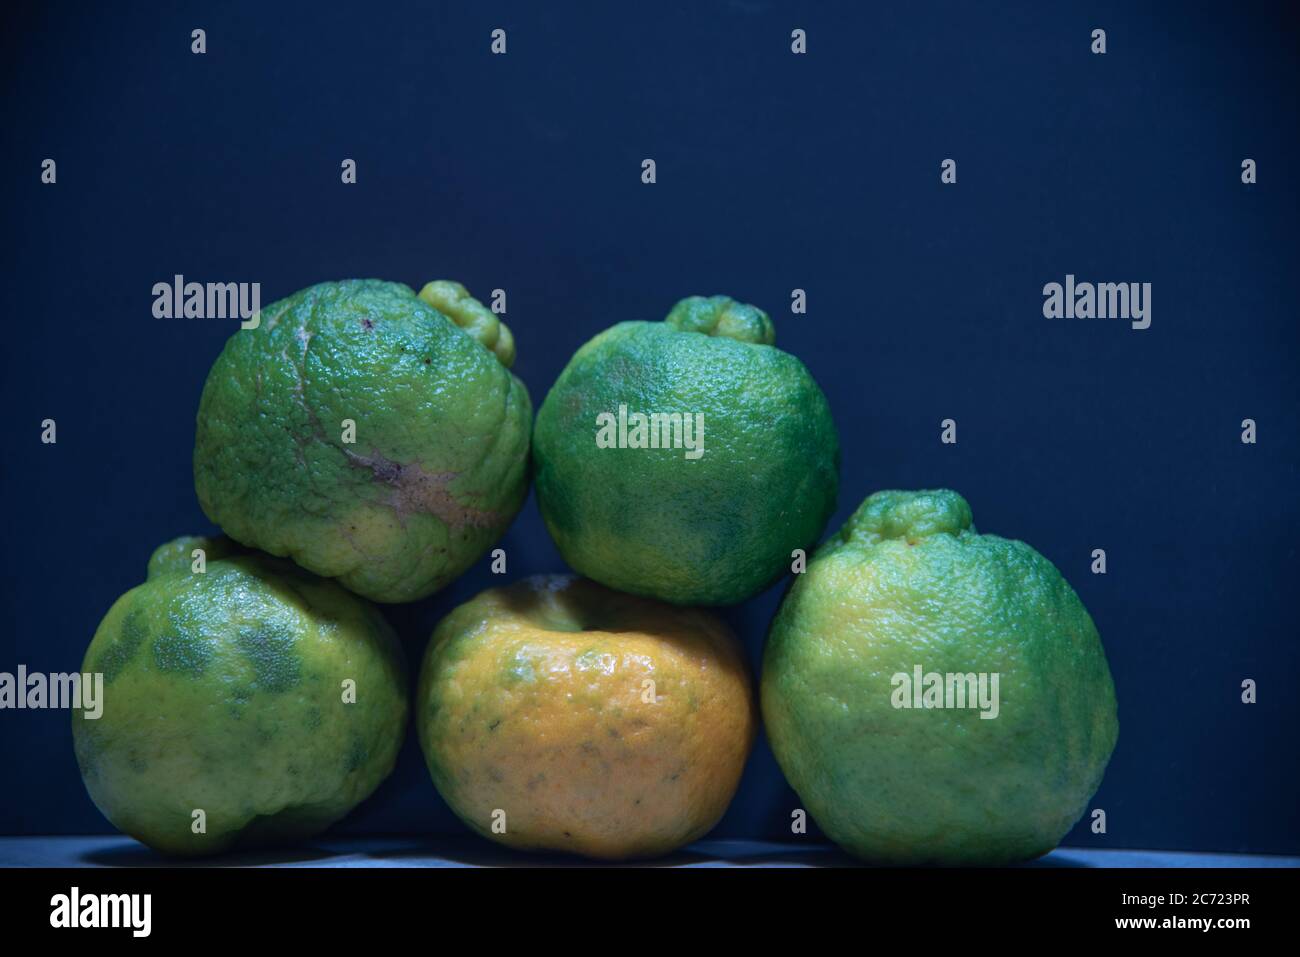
pixel 454 301
pixel 722 316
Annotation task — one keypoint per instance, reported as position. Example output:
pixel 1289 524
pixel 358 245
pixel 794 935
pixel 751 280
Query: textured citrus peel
pixel 454 301
pixel 723 316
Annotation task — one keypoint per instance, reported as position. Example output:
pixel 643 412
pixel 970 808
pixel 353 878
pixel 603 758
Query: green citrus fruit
pixel 649 508
pixel 371 435
pixel 556 714
pixel 901 770
pixel 268 699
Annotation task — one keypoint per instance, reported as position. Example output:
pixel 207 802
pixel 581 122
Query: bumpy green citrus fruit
pixel 556 714
pixel 649 508
pixel 268 699
pixel 371 435
pixel 896 770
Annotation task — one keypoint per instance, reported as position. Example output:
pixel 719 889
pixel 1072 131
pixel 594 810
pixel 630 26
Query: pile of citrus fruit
pixel 934 695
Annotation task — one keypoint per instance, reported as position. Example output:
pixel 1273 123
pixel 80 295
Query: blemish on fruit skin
pixel 271 651
pixel 123 648
pixel 358 754
pixel 182 650
pixel 413 490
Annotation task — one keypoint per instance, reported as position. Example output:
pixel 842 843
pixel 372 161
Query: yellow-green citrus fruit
pixel 646 506
pixel 372 435
pixel 951 768
pixel 558 715
pixel 247 704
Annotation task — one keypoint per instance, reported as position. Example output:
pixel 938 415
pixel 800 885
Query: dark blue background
pixel 775 171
